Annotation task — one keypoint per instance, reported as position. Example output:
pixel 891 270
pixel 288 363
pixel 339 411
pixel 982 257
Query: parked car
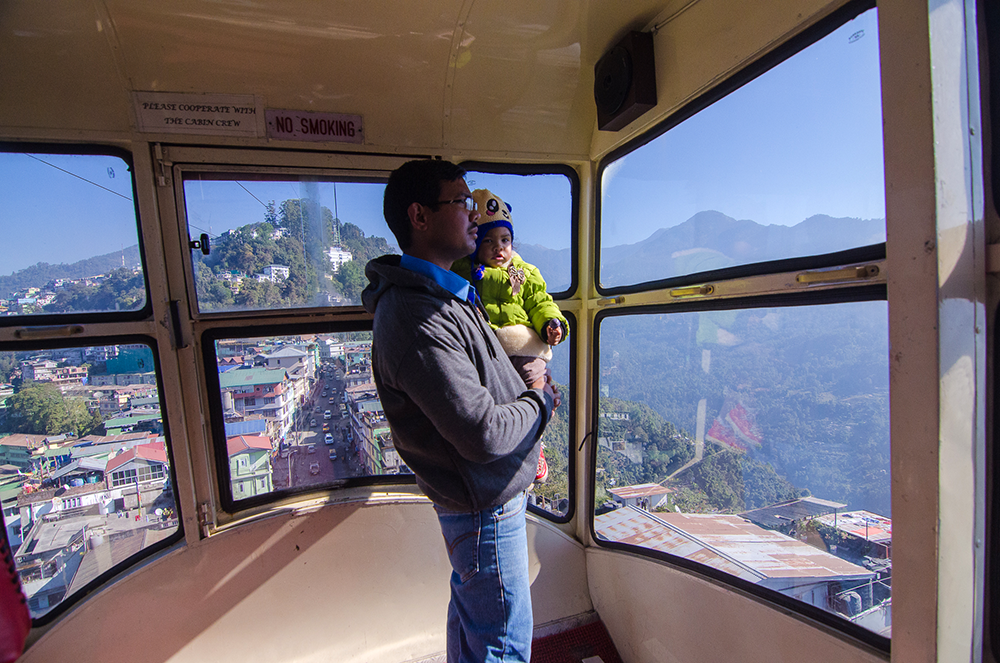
pixel 328 439
pixel 313 468
pixel 333 454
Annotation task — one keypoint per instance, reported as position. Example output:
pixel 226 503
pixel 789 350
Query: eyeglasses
pixel 465 201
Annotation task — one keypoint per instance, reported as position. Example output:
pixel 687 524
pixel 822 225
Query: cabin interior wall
pixel 357 581
pixel 656 613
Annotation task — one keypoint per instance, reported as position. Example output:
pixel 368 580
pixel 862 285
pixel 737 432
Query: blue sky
pixel 541 204
pixel 803 139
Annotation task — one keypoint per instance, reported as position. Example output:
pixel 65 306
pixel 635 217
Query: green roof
pixel 11 491
pixel 125 421
pixel 249 377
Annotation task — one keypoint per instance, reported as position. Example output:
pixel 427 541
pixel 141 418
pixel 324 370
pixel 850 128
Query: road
pixel 308 462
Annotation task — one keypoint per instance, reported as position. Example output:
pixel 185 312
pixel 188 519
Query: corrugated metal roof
pixel 778 515
pixel 640 490
pixel 725 542
pixel 862 524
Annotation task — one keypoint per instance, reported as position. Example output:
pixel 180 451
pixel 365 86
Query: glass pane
pixel 756 442
pixel 283 244
pixel 301 411
pixel 788 165
pixel 542 211
pixel 553 495
pixel 85 478
pixel 71 241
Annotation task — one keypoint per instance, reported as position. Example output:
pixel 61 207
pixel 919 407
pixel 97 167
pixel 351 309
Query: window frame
pixel 742 77
pixel 501 168
pixel 847 294
pixel 70 600
pixel 754 285
pixel 238 170
pixel 217 421
pixel 89 317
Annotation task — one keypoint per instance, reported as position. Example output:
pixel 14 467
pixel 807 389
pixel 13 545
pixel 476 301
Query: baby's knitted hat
pixel 493 212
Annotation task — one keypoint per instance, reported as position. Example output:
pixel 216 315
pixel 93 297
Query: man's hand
pixel 553 332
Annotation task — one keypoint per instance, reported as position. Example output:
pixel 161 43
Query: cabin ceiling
pixel 510 75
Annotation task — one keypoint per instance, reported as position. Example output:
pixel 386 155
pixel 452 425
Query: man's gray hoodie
pixel 460 415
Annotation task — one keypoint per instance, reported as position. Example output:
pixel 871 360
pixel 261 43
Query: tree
pixel 8 362
pixel 39 408
pixel 352 280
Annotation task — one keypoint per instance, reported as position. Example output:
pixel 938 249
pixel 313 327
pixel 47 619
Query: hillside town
pixel 298 411
pixel 302 411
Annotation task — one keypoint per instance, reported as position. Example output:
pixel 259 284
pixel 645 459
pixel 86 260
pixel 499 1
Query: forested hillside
pixel 802 390
pixel 297 236
pixel 42 273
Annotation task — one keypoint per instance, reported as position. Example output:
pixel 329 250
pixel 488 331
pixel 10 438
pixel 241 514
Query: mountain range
pixel 710 240
pixel 42 273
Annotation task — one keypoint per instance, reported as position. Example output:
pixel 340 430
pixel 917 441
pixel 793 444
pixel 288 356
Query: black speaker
pixel 625 81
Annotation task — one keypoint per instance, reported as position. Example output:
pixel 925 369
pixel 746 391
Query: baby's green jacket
pixel 532 306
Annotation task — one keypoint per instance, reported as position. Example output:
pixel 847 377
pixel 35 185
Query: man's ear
pixel 416 214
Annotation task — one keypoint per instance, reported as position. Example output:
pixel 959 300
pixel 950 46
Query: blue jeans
pixel 489 616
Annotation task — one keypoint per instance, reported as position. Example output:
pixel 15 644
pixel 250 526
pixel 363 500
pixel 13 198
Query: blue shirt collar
pixel 450 281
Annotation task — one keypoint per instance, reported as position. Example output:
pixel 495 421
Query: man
pixel 460 415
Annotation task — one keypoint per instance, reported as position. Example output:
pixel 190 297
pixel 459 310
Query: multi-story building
pixel 370 431
pixel 263 392
pixel 16 449
pixel 338 256
pixel 250 465
pixel 275 273
pixel 47 370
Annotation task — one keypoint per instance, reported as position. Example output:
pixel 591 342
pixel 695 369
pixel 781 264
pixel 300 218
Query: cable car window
pixel 279 244
pixel 755 442
pixel 542 213
pixel 71 241
pixel 301 411
pixel 85 473
pixel 788 165
pixel 554 495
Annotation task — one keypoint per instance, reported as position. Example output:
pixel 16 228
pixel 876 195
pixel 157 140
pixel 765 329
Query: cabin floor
pixel 588 643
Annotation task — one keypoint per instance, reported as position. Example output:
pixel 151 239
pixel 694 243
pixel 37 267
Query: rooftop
pixel 241 443
pixel 778 515
pixel 640 490
pixel 155 451
pixel 862 524
pixel 725 542
pixel 248 377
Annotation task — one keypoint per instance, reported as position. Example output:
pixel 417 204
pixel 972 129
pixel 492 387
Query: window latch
pixel 693 291
pixel 205 521
pixel 834 275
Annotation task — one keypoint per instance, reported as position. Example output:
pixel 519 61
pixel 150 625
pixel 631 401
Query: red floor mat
pixel 575 645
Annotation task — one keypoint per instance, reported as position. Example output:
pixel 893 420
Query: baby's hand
pixel 553 332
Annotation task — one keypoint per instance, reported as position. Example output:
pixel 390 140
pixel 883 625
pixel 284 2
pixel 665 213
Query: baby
pixel 526 319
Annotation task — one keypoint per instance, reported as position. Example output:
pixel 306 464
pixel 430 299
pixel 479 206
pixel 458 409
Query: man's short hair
pixel 416 181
